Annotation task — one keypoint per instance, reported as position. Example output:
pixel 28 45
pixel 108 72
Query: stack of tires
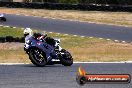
pixel 98 6
pixel 12 39
pixel 2 39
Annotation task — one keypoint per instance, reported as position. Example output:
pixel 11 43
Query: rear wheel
pixel 66 59
pixel 37 57
pixel 3 19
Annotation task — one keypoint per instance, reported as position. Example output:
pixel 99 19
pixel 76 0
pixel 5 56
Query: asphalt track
pixel 58 76
pixel 70 27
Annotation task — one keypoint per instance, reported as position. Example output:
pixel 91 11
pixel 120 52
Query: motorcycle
pixel 2 17
pixel 47 51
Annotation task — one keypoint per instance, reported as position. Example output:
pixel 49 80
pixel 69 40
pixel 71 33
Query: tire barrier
pixel 9 39
pixel 2 39
pixel 12 39
pixel 17 39
pixel 63 6
pixel 22 40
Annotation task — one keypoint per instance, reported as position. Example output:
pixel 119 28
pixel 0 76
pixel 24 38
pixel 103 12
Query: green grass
pixel 5 31
pixel 82 49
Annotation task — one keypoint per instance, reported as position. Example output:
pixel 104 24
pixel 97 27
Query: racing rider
pixel 38 36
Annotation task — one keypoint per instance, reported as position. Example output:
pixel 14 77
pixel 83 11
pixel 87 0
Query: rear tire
pixel 3 19
pixel 38 60
pixel 66 59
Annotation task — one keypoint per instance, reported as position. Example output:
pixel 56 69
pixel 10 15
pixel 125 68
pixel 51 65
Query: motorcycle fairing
pixel 48 49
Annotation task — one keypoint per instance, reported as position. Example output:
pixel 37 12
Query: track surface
pixel 58 76
pixel 70 27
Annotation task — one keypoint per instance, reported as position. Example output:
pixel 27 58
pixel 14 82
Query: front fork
pixel 58 48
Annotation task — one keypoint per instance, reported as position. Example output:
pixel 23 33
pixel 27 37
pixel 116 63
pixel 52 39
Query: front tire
pixel 66 59
pixel 37 57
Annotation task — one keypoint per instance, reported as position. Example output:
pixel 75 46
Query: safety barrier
pixel 62 6
pixel 12 39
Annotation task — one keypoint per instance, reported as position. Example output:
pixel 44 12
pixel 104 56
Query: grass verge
pixel 82 49
pixel 114 18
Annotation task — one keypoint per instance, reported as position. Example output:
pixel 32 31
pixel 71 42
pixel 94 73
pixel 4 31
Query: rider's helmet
pixel 27 31
pixel 1 15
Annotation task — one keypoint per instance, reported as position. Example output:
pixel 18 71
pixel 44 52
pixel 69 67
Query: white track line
pixel 6 26
pixel 65 34
pixel 105 62
pixel 116 40
pixel 108 39
pixel 82 36
pixel 26 15
pixel 13 63
pixel 90 37
pixel 100 38
pixel 58 33
pixel 14 27
pixel 17 14
pixel 75 35
pixel 73 62
pixel 50 32
pixel 123 41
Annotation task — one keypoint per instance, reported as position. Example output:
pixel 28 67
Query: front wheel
pixel 66 58
pixel 37 57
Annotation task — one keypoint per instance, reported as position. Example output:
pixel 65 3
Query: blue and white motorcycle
pixel 47 51
pixel 2 17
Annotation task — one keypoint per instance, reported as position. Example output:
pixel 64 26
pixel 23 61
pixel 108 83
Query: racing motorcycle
pixel 2 17
pixel 47 51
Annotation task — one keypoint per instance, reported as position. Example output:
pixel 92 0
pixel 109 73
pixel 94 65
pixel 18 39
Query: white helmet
pixel 27 31
pixel 2 15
